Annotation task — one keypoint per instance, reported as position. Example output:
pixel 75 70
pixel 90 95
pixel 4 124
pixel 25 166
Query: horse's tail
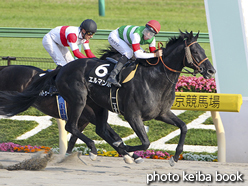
pixel 14 103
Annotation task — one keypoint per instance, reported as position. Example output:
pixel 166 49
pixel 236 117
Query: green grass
pixel 11 129
pixel 32 112
pixel 208 121
pixel 122 131
pixel 48 137
pixel 198 137
pixel 190 115
pixel 172 15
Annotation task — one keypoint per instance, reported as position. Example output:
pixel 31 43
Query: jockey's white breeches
pixel 61 55
pixel 120 45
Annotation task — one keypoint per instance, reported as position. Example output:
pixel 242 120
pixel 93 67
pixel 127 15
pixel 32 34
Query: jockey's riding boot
pixel 112 77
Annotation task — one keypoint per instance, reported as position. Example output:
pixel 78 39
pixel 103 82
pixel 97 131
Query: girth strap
pixel 114 100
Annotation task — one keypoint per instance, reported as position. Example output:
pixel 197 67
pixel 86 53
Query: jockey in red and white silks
pixel 58 39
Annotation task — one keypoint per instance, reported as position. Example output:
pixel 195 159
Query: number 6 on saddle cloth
pixel 99 74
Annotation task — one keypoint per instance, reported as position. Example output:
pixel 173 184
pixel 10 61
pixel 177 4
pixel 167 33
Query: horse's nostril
pixel 212 72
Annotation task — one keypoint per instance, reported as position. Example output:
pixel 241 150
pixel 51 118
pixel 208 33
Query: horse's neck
pixel 157 77
pixel 174 59
pixel 163 74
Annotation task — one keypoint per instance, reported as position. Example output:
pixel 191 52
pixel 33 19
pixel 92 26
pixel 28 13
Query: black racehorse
pixel 149 95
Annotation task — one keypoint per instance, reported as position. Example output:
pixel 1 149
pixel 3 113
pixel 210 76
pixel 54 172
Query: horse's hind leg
pixel 88 142
pixel 104 130
pixel 82 123
pixel 71 126
pixel 171 118
pixel 75 95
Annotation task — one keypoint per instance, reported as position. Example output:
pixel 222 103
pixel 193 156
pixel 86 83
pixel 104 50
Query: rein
pixel 197 65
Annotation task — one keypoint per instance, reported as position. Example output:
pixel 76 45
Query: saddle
pixel 100 73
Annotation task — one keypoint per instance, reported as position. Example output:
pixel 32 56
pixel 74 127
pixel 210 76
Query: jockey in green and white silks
pixel 127 40
pixel 133 36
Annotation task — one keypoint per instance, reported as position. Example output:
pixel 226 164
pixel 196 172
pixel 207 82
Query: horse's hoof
pixel 131 154
pixel 139 160
pixel 92 156
pixel 171 161
pixel 128 159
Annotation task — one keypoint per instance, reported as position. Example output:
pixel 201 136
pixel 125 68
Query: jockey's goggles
pixel 148 34
pixel 90 33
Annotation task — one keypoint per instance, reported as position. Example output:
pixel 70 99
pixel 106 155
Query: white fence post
pixel 62 136
pixel 220 136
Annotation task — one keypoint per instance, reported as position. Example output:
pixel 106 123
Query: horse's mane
pixel 109 52
pixel 174 40
pixel 181 37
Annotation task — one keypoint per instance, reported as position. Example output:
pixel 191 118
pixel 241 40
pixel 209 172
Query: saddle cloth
pixel 99 74
pixel 61 103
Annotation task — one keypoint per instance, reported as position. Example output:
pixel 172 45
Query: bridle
pixel 187 55
pixel 189 58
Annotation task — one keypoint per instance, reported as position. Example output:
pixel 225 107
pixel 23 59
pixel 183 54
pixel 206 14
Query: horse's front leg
pixel 172 119
pixel 121 147
pixel 137 125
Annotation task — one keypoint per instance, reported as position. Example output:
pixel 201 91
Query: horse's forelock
pixel 189 35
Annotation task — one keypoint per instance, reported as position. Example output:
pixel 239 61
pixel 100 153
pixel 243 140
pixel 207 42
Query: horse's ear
pixel 190 35
pixel 197 35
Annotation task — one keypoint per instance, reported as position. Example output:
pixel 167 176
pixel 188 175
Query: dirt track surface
pixel 112 171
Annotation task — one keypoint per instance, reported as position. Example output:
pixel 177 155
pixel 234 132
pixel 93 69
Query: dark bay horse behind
pixel 149 95
pixel 16 78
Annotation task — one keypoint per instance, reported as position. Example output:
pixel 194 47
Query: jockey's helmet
pixel 88 25
pixel 153 26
